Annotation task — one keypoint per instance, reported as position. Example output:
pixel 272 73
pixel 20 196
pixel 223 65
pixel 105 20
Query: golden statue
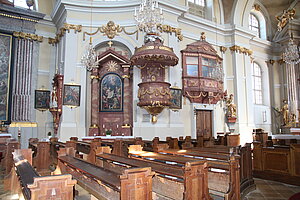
pixel 284 18
pixel 231 107
pixel 285 113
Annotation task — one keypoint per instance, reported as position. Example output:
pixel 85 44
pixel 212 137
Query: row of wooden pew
pixel 193 173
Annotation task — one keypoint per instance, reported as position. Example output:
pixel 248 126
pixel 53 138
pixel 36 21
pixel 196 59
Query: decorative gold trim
pixel 223 49
pixel 94 126
pixel 170 29
pixel 23 124
pixel 111 30
pixel 29 36
pixel 16 17
pixel 126 126
pixel 126 76
pixel 94 77
pixel 239 49
pixel 66 27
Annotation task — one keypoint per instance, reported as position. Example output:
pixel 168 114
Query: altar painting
pixel 5 65
pixel 111 93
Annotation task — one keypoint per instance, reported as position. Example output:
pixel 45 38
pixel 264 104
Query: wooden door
pixel 204 123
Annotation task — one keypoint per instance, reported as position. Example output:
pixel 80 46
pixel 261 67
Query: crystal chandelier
pixel 291 53
pixel 89 59
pixel 148 16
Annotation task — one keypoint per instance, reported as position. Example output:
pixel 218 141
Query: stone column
pixel 94 128
pixel 127 107
pixel 292 90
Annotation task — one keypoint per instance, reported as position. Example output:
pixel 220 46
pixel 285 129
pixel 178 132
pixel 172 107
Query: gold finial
pixel 203 37
pixel 110 43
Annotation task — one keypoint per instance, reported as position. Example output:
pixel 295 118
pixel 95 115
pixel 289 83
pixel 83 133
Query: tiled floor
pixel 271 190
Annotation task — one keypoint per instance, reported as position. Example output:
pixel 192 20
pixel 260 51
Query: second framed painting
pixel 71 95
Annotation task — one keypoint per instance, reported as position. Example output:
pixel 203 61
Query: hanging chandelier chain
pixel 89 59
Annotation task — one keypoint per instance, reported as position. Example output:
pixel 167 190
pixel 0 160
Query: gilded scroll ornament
pixel 66 27
pixel 28 36
pixel 170 29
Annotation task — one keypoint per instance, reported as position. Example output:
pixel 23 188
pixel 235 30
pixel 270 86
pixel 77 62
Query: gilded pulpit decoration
pixel 111 93
pixel 202 72
pixel 153 58
pixel 5 68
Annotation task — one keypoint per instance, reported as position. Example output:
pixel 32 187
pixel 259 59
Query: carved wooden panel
pixel 271 159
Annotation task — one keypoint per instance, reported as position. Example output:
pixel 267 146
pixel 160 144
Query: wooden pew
pixel 155 145
pixel 224 153
pixel 188 181
pixel 131 184
pixel 7 161
pixel 223 175
pixel 41 156
pixel 278 163
pixel 29 185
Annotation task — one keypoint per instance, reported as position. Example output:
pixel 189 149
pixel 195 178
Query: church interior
pixel 150 99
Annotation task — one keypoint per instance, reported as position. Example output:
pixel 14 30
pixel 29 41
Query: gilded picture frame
pixel 71 95
pixel 111 93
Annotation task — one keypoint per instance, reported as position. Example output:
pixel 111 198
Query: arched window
pixel 254 24
pixel 257 84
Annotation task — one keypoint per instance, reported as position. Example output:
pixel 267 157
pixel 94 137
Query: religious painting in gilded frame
pixel 5 75
pixel 176 99
pixel 42 100
pixel 111 93
pixel 71 95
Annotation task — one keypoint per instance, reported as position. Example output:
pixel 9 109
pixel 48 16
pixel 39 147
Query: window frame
pixel 257 90
pixel 252 27
pixel 200 66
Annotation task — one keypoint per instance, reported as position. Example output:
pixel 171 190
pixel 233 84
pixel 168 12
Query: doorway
pixel 204 124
